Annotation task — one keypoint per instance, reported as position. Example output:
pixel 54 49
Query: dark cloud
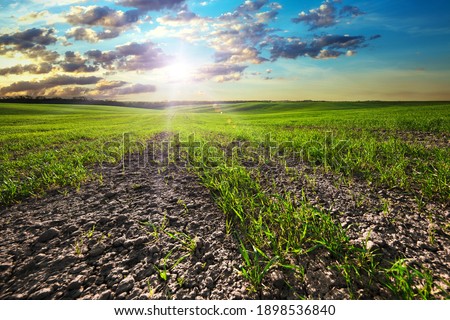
pixel 107 88
pixel 375 37
pixel 324 16
pixel 220 72
pixel 105 59
pixel 338 42
pixel 327 46
pixel 134 89
pixel 131 57
pixel 252 5
pixel 80 33
pixel 42 54
pixel 327 15
pixel 102 16
pixel 40 87
pixel 30 38
pixel 290 48
pixel 151 5
pixel 89 35
pixel 30 68
pixel 114 22
pixel 67 92
pixel 73 62
pixel 31 42
pixel 351 11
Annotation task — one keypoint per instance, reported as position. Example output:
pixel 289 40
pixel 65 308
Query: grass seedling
pixel 79 246
pixel 182 203
pixel 406 282
pixel 256 266
pixel 151 289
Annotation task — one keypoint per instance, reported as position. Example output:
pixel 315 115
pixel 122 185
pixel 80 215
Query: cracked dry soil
pixel 118 240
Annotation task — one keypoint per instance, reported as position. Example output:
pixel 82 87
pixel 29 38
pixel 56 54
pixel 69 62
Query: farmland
pixel 292 200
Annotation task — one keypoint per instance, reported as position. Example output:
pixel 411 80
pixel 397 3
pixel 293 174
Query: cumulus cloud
pixel 41 68
pixel 251 6
pixel 243 37
pixel 28 39
pixel 220 72
pixel 31 42
pixel 114 22
pixel 131 57
pixel 323 47
pixel 107 88
pixel 151 5
pixel 74 63
pixel 102 16
pixel 33 16
pixel 80 33
pixel 134 89
pixel 104 85
pixel 40 87
pixel 70 86
pixel 267 15
pixel 183 17
pixel 327 15
pixel 237 37
pixel 351 11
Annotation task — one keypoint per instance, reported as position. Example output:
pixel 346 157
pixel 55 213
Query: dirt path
pixel 149 233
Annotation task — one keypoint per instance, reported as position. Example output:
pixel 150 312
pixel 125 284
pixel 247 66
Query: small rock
pixel 72 228
pixel 277 279
pixel 75 283
pixel 371 246
pixel 105 295
pixel 89 225
pixel 48 235
pixel 103 221
pixel 110 195
pixel 128 243
pixel 5 266
pixel 153 249
pixel 209 283
pixel 97 250
pixel 198 267
pixel 425 246
pixel 125 285
pixel 41 294
pixel 121 218
pixel 139 241
pixel 199 243
pixel 119 242
pixel 208 256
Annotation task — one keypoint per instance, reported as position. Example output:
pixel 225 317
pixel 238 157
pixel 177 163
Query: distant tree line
pixel 88 101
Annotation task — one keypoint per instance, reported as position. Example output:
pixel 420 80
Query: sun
pixel 180 72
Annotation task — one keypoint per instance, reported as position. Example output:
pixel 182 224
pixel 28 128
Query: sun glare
pixel 180 72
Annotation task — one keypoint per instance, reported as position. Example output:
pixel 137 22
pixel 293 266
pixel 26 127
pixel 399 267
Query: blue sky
pixel 153 50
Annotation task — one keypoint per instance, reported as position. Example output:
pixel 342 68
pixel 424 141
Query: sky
pixel 158 50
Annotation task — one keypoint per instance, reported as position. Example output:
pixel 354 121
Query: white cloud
pixel 56 3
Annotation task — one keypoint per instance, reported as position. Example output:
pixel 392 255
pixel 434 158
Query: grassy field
pixel 391 146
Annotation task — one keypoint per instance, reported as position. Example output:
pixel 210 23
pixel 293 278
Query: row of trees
pixel 88 101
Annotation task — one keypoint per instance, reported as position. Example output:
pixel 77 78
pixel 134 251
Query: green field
pixel 386 145
pixel 44 146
